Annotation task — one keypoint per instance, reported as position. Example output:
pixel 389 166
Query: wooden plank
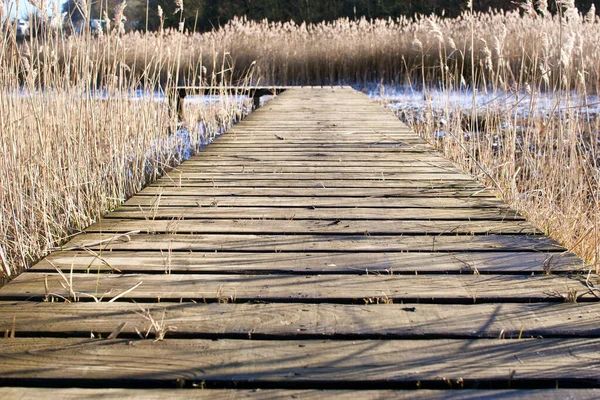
pixel 319 213
pixel 305 201
pixel 373 129
pixel 363 176
pixel 196 171
pixel 332 149
pixel 301 158
pixel 212 152
pixel 286 139
pixel 316 192
pixel 320 128
pixel 307 227
pixel 321 184
pixel 305 321
pixel 323 124
pixel 237 163
pixel 277 140
pixel 314 363
pixel 22 393
pixel 462 289
pixel 318 134
pixel 313 263
pixel 329 119
pixel 308 243
pixel 281 146
pixel 367 150
pixel 314 162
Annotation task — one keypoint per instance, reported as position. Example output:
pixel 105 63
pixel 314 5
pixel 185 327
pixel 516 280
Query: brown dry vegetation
pixel 68 154
pixel 507 49
pixel 78 137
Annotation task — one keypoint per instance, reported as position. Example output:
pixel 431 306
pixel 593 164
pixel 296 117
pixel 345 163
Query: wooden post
pixel 177 96
pixel 181 93
pixel 256 100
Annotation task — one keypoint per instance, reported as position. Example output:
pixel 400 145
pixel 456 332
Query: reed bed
pixel 497 49
pixel 81 133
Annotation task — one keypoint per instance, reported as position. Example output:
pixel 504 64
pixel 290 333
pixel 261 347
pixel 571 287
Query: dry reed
pixel 81 131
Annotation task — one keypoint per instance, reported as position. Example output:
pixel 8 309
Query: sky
pixel 24 7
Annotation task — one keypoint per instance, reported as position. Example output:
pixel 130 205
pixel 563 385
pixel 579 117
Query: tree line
pixel 202 15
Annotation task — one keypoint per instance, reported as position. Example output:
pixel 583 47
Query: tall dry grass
pixel 81 130
pixel 508 49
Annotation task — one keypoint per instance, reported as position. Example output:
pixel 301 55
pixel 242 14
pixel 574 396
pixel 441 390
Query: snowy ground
pixel 510 109
pixel 522 104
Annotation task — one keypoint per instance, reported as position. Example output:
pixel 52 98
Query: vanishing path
pixel 319 244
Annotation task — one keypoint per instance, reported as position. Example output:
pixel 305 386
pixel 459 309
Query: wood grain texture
pixel 309 288
pixel 315 362
pixel 469 262
pixel 308 243
pixel 317 176
pixel 305 321
pixel 314 212
pixel 307 227
pixel 388 193
pixel 169 181
pixel 213 154
pixel 351 171
pixel 336 202
pixel 22 393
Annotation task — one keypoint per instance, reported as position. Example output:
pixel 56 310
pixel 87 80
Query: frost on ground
pixel 511 109
pixel 192 135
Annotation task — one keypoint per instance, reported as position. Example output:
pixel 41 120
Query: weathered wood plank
pixel 385 193
pixel 265 129
pixel 232 164
pixel 308 243
pixel 312 136
pixel 301 143
pixel 388 150
pixel 305 201
pixel 440 175
pixel 23 393
pixel 312 263
pixel 307 227
pixel 314 363
pixel 197 171
pixel 278 137
pixel 213 153
pixel 305 321
pixel 301 160
pixel 279 148
pixel 317 123
pixel 169 181
pixel 318 213
pixel 292 288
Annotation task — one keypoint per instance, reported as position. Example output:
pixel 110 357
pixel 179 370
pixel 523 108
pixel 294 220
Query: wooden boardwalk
pixel 318 249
